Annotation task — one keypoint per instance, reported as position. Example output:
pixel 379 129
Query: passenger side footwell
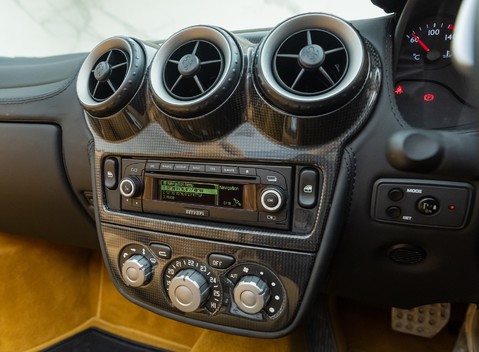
pixel 51 292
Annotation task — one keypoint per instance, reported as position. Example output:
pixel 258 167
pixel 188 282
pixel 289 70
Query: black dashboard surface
pixel 344 169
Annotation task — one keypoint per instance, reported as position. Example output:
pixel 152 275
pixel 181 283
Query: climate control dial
pixel 251 294
pixel 192 285
pixel 188 290
pixel 136 271
pixel 256 290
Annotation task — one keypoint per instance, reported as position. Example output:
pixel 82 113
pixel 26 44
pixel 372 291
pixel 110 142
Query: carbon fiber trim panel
pixel 265 136
pixel 293 277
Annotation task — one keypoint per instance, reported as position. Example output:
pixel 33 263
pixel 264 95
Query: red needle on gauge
pixel 421 43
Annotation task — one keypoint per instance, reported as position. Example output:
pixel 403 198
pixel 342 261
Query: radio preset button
pixel 231 170
pixel 215 169
pixel 166 167
pixel 152 166
pixel 197 168
pixel 181 167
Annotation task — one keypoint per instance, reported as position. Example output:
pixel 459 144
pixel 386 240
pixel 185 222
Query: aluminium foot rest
pixel 425 321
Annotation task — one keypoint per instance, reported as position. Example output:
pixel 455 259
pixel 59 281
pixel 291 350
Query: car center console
pixel 215 162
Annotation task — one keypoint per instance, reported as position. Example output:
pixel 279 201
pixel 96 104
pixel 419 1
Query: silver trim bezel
pixel 336 26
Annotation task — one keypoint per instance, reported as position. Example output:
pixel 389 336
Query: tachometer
pixel 429 43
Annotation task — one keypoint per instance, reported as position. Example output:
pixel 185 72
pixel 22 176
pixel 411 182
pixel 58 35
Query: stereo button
pixel 272 200
pixel 215 169
pixel 110 173
pixel 269 177
pixel 152 166
pixel 181 167
pixel 308 188
pixel 247 171
pixel 166 167
pixel 231 170
pixel 130 186
pixel 273 218
pixel 197 168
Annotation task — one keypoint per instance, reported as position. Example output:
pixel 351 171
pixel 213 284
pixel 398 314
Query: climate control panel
pixel 247 289
pixel 215 282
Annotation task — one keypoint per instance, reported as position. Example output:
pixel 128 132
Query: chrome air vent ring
pixel 311 64
pixel 110 76
pixel 195 71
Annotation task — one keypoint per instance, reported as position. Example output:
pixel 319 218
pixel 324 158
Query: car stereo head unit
pixel 241 194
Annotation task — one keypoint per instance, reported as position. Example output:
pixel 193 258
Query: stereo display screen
pixel 201 193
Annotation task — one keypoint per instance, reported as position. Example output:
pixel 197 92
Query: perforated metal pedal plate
pixel 425 321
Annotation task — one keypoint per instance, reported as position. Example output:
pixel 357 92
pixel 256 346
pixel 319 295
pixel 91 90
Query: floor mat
pixel 96 340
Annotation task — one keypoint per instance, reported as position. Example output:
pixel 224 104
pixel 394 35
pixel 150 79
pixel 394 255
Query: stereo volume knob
pixel 251 294
pixel 136 271
pixel 130 186
pixel 188 290
pixel 272 199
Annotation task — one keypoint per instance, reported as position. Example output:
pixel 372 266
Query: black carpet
pixel 96 340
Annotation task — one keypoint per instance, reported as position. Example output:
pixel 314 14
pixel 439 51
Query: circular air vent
pixel 195 71
pixel 310 64
pixel 110 76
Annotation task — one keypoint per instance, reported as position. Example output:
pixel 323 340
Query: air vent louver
pixel 311 64
pixel 110 76
pixel 195 71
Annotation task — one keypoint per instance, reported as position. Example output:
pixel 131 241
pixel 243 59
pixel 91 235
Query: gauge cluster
pixel 429 91
pixel 427 43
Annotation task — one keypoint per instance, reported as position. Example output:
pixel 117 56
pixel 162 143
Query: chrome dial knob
pixel 251 294
pixel 188 290
pixel 136 271
pixel 130 186
pixel 272 200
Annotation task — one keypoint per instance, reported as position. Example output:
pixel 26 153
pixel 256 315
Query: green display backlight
pixel 203 193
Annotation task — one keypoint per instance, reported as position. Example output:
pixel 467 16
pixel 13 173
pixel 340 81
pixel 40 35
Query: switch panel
pixel 421 202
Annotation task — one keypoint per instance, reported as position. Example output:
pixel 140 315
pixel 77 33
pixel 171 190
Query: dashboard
pixel 233 178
